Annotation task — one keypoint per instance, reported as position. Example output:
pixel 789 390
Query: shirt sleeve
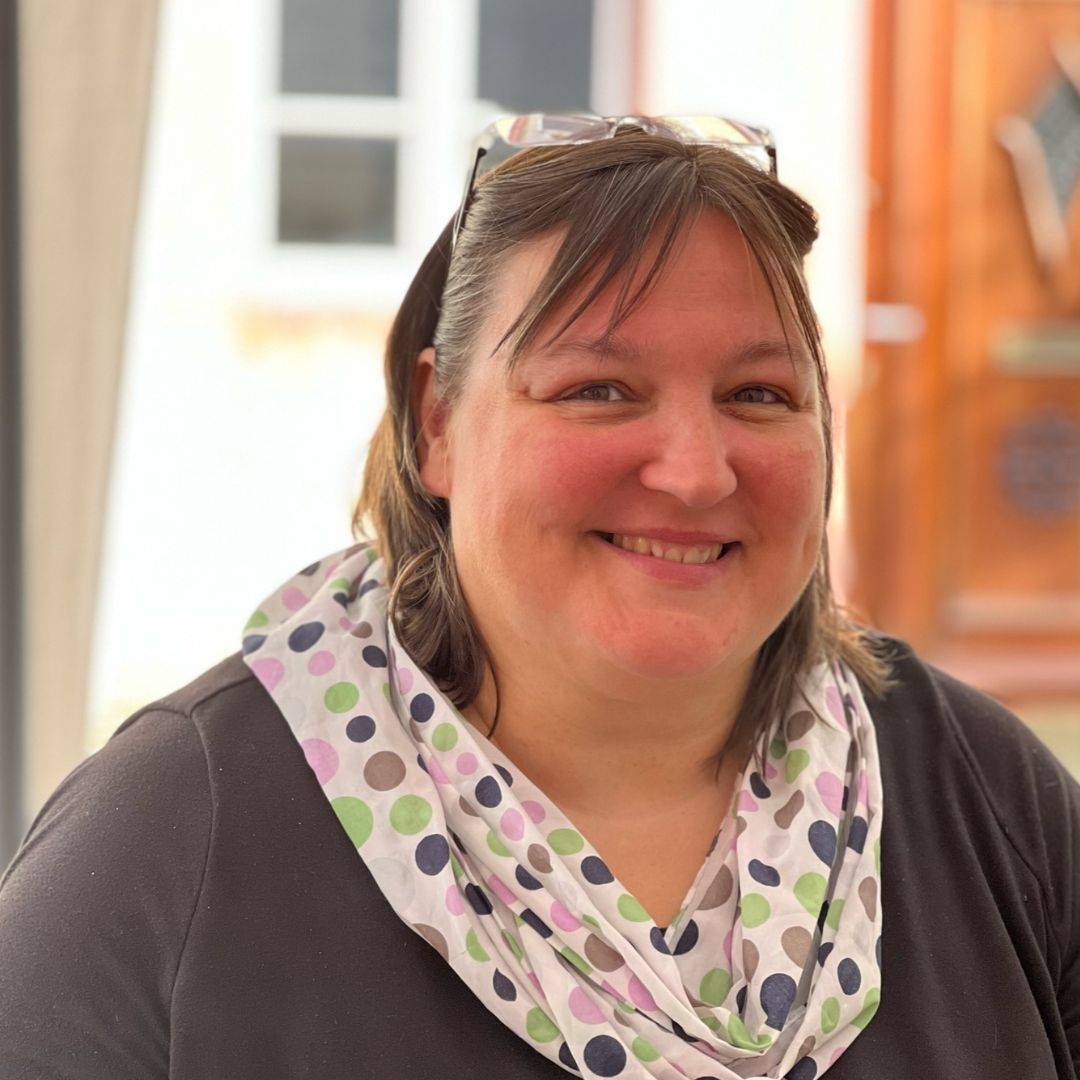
pixel 95 907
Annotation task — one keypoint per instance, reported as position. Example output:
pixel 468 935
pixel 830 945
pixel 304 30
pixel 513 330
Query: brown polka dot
pixel 539 858
pixel 467 807
pixel 433 938
pixel 868 896
pixel 795 941
pixel 622 1018
pixel 789 811
pixel 807 1047
pixel 384 770
pixel 361 630
pixel 750 959
pixel 601 955
pixel 740 826
pixel 799 724
pixel 719 889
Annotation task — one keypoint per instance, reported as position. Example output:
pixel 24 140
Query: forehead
pixel 710 288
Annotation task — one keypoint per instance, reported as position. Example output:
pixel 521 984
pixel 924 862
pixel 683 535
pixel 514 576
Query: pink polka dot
pixel 293 598
pixel 322 758
pixel 436 771
pixel 498 887
pixel 835 704
pixel 639 995
pixel 405 679
pixel 836 1054
pixel 771 771
pixel 330 570
pixel 534 810
pixel 346 623
pixel 536 982
pixel 562 918
pixel 268 672
pixel 512 824
pixel 455 902
pixel 322 662
pixel 831 789
pixel 746 801
pixel 862 788
pixel 584 1008
pixel 466 763
pixel 611 990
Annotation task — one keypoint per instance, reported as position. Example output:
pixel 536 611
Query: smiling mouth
pixel 610 538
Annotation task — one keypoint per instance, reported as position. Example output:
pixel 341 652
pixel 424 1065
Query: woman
pixel 631 795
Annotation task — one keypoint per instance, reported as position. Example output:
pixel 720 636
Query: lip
pixel 673 536
pixel 693 574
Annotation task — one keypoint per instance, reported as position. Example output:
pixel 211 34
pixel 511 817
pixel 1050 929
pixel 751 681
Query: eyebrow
pixel 621 349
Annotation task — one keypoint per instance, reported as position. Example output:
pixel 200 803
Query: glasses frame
pixel 548 129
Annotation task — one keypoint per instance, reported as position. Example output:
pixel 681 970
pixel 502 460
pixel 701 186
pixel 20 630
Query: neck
pixel 604 757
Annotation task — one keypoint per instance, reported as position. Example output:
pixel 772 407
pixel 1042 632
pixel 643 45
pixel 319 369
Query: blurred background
pixel 209 212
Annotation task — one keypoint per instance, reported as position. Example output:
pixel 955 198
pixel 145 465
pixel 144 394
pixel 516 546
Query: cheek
pixel 785 486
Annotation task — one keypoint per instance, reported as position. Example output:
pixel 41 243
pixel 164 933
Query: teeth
pixel 671 552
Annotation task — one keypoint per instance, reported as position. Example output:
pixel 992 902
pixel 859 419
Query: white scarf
pixel 486 868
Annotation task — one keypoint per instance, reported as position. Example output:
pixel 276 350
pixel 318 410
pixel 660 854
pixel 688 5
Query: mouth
pixel 725 549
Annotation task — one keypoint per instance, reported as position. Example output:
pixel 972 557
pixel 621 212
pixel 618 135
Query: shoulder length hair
pixel 609 196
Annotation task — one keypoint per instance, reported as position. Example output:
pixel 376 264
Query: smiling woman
pixel 572 763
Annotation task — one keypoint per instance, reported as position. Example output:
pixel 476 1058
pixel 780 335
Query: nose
pixel 691 459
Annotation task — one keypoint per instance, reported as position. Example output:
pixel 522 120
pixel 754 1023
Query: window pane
pixel 536 57
pixel 339 47
pixel 336 191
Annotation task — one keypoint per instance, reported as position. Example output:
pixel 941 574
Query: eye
pixel 574 395
pixel 760 390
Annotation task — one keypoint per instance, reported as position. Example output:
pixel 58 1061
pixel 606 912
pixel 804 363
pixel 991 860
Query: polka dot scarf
pixel 772 965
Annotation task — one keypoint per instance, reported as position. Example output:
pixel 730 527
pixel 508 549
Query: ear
pixel 433 436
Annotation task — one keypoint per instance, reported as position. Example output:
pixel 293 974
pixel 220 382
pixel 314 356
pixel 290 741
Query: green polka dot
pixel 797 760
pixel 594 923
pixel 715 986
pixel 386 690
pixel 877 854
pixel 496 844
pixel 410 814
pixel 712 1022
pixel 644 1050
pixel 830 1014
pixel 739 1036
pixel 539 1026
pixel 258 618
pixel 444 737
pixel 777 748
pixel 341 584
pixel 512 942
pixel 565 841
pixel 810 892
pixel 625 1006
pixel 356 816
pixel 372 555
pixel 455 865
pixel 630 908
pixel 870 1006
pixel 836 909
pixel 755 910
pixel 341 697
pixel 568 954
pixel 474 948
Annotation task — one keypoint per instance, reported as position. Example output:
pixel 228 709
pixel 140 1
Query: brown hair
pixel 612 194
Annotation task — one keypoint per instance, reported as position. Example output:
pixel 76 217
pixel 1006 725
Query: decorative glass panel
pixel 339 47
pixel 335 190
pixel 536 57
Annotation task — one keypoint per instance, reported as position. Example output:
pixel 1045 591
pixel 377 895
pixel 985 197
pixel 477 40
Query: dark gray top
pixel 187 905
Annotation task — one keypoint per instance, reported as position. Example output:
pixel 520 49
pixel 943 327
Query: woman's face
pixel 705 430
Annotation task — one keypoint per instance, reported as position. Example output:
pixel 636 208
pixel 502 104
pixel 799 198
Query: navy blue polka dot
pixel 823 952
pixel 488 792
pixel 525 879
pixel 758 786
pixel 687 939
pixel 505 774
pixel 849 976
pixel 368 586
pixel 803 1069
pixel 857 836
pixel 360 728
pixel 681 1032
pixel 309 570
pixel 877 950
pixel 421 708
pixel 421 762
pixel 604 1055
pixel 656 936
pixel 534 920
pixel 764 874
pixel 740 1000
pixel 777 996
pixel 822 838
pixel 374 656
pixel 432 854
pixel 478 899
pixel 303 637
pixel 503 986
pixel 596 871
pixel 567 1058
pixel 253 642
